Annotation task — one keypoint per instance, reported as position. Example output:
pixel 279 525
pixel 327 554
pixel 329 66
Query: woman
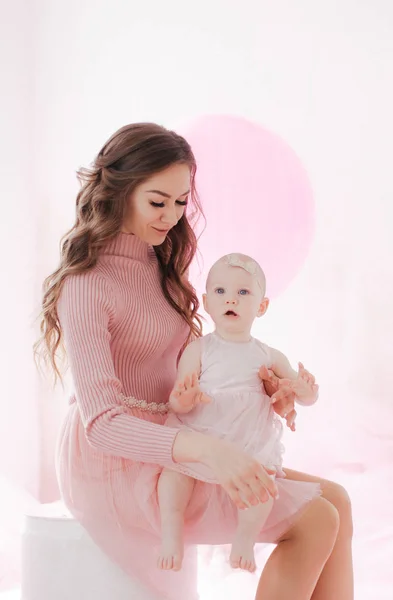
pixel 121 302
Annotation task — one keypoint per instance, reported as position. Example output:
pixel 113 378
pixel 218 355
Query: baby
pixel 219 393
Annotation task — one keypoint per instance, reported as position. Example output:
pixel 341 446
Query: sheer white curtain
pixel 20 414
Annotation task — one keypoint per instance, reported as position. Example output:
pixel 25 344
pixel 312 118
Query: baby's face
pixel 233 298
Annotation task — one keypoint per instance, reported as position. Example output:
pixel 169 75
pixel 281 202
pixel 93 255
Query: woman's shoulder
pixel 90 287
pixel 92 278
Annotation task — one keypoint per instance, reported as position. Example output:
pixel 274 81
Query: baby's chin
pixel 233 324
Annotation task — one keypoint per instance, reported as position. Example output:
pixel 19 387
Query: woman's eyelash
pixel 161 204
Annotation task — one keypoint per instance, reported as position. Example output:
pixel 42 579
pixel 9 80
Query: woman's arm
pixel 85 309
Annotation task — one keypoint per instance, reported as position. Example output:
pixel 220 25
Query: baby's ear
pixel 264 305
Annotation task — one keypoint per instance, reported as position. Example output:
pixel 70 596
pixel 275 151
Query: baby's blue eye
pixel 243 292
pixel 220 290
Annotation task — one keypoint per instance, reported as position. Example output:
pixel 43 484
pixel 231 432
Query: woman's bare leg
pixel 336 580
pixel 294 567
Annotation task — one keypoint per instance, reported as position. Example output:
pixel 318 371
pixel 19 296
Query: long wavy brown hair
pixel 133 154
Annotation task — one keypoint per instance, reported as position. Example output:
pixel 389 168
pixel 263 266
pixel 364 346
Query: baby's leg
pixel 174 494
pixel 250 522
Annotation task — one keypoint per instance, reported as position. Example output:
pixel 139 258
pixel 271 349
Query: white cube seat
pixel 61 562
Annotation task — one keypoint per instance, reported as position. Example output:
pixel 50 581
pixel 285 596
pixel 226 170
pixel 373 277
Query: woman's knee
pixel 318 527
pixel 326 519
pixel 338 496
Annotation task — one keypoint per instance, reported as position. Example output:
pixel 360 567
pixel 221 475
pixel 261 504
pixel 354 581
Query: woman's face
pixel 157 204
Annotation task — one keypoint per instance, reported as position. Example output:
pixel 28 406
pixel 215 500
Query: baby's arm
pixel 190 360
pixel 186 394
pixel 301 382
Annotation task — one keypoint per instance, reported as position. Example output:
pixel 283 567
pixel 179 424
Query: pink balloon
pixel 255 194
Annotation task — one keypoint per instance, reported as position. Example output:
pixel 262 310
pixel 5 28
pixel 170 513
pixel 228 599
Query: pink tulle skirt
pixel 116 501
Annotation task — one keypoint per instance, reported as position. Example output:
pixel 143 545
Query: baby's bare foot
pixel 242 556
pixel 171 554
pixel 169 561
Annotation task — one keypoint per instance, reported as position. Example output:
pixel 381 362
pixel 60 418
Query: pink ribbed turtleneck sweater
pixel 122 337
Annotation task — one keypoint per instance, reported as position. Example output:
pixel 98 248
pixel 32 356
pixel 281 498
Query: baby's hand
pixel 187 394
pixel 304 386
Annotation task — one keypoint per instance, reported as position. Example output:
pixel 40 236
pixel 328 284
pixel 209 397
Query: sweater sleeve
pixel 85 309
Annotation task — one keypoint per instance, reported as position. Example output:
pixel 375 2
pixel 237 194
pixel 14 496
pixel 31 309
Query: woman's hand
pixel 269 379
pixel 282 396
pixel 245 480
pixel 303 388
pixel 283 402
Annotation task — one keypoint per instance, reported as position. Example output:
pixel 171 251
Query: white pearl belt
pixel 152 407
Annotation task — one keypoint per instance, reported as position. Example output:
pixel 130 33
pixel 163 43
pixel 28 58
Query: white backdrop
pixel 320 75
